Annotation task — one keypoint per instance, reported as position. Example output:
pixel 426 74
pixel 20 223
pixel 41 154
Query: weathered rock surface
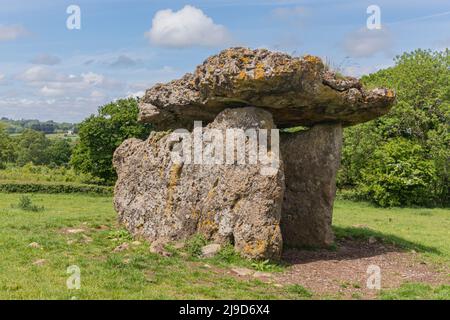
pixel 297 91
pixel 162 200
pixel 311 161
pixel 210 250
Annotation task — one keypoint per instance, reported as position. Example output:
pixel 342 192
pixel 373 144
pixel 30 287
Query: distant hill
pixel 48 127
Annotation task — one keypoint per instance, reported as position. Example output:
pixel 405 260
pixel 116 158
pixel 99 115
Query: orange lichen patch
pixel 312 59
pixel 390 93
pixel 242 75
pixel 207 226
pixel 283 68
pixel 245 60
pixel 174 175
pixel 256 249
pixel 259 72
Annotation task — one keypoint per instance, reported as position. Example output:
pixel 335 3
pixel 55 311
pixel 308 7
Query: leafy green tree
pixel 101 134
pixel 400 173
pixel 32 147
pixel 59 152
pixel 421 115
pixel 6 147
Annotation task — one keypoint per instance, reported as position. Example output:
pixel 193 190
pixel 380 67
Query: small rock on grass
pixel 242 272
pixel 136 243
pixel 75 231
pixel 86 239
pixel 179 245
pixel 259 274
pixel 210 250
pixel 158 248
pixel 39 262
pixel 34 245
pixel 122 247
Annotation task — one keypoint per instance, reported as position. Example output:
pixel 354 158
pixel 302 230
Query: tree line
pixel 48 127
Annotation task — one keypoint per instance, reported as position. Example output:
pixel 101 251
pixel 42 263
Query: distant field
pixel 81 230
pixel 72 137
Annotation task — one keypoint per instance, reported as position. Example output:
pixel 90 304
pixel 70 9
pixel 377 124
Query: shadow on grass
pixel 355 243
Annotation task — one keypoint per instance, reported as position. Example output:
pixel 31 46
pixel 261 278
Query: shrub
pixel 399 174
pixel 195 244
pixel 52 188
pixel 26 204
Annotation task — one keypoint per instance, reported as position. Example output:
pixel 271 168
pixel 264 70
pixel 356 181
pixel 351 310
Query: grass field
pixel 41 273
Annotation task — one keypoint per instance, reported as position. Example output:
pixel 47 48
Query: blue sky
pixel 50 72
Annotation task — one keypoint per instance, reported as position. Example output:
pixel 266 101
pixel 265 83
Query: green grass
pixel 132 274
pixel 138 274
pixel 423 230
pixel 417 291
pixel 55 136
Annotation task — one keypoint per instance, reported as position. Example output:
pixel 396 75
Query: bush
pixel 52 188
pixel 195 244
pixel 399 174
pixel 26 204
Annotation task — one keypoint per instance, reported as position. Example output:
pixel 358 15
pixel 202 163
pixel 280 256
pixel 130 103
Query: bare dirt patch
pixel 343 273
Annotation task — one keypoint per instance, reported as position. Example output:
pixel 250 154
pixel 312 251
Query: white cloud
pixel 47 83
pixel 46 59
pixel 185 28
pixel 50 92
pixel 366 43
pixel 38 74
pixel 12 32
pixel 93 78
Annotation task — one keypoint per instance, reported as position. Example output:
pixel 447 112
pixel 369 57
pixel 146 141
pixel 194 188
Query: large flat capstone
pixel 297 91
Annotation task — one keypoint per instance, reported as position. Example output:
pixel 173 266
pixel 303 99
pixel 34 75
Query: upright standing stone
pixel 311 161
pixel 161 200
